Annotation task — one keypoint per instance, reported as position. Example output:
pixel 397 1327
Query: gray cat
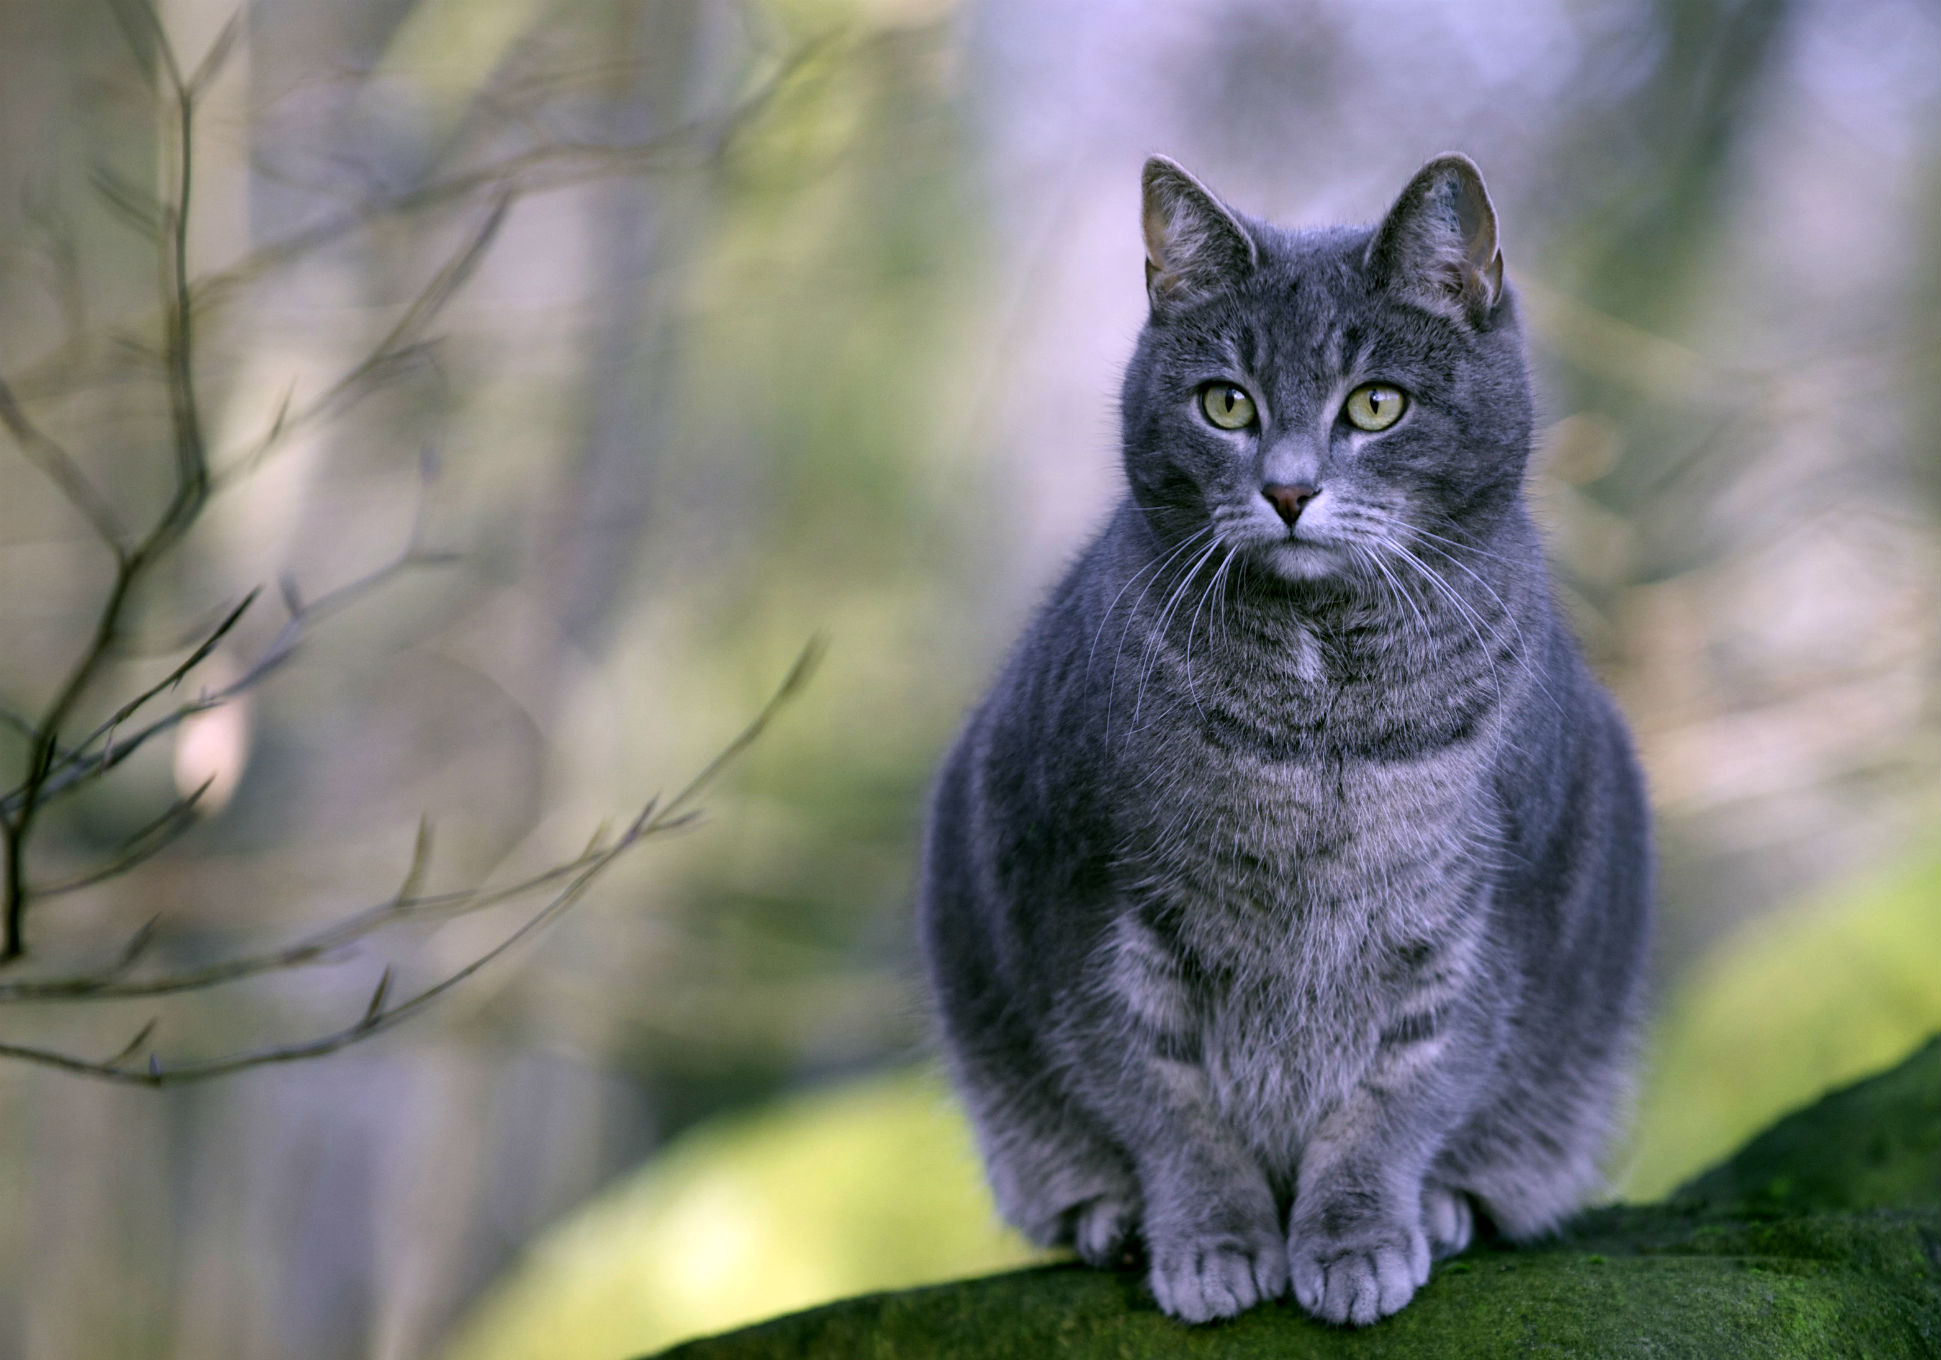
pixel 1285 901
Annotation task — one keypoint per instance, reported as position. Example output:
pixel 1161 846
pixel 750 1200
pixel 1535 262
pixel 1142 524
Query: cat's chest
pixel 1272 1038
pixel 1233 828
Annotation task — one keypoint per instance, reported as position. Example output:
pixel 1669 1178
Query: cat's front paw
pixel 1198 1279
pixel 1359 1281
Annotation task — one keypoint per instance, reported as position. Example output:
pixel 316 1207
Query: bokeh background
pixel 805 318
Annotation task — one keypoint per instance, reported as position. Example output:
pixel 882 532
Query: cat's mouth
pixel 1301 557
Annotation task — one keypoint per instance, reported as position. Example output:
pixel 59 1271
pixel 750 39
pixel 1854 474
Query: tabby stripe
pixel 1413 1028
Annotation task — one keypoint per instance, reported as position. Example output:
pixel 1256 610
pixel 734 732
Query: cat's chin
pixel 1300 560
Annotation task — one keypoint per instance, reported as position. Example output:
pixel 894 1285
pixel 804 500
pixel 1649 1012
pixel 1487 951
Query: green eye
pixel 1227 406
pixel 1375 406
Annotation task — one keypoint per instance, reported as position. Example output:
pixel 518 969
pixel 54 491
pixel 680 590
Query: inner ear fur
pixel 1438 243
pixel 1195 245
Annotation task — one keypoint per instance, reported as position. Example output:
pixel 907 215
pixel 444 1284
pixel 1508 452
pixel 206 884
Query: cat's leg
pixel 1531 1155
pixel 1054 1173
pixel 1053 1170
pixel 1210 1221
pixel 1369 1215
pixel 1357 1248
pixel 1211 1224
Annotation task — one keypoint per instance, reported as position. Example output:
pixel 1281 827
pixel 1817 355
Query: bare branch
pixel 105 732
pixel 84 763
pixel 134 1045
pixel 398 344
pixel 61 469
pixel 135 206
pixel 111 981
pixel 138 19
pixel 375 1010
pixel 55 765
pixel 551 165
pixel 798 676
pixel 191 458
pixel 213 61
pixel 57 239
pixel 131 566
pixel 146 843
pixel 379 1013
pixel 136 22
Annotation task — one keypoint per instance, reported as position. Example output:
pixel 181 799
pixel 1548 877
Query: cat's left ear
pixel 1438 243
pixel 1195 246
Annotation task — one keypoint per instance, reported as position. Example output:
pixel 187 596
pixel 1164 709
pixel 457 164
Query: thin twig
pixel 178 673
pixel 84 762
pixel 554 165
pixel 401 339
pixel 61 469
pixel 146 843
pixel 537 169
pixel 379 1013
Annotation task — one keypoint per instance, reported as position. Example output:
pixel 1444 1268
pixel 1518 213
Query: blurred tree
pixel 99 715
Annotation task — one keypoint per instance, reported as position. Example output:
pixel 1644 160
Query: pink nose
pixel 1289 499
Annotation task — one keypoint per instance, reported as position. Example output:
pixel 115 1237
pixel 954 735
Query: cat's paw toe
pixel 1104 1231
pixel 1355 1286
pixel 1217 1277
pixel 1448 1220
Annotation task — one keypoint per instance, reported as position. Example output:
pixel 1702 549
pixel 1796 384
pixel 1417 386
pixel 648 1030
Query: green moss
pixel 1821 1237
pixel 1876 1143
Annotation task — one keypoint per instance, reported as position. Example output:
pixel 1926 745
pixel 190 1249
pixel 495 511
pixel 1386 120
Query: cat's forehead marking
pixel 1360 352
pixel 1331 349
pixel 1246 347
pixel 1297 336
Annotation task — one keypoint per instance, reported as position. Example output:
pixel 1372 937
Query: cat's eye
pixel 1375 406
pixel 1227 406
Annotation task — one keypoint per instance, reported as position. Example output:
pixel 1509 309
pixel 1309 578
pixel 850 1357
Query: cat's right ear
pixel 1195 246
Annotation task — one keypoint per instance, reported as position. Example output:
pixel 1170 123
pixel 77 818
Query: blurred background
pixel 722 325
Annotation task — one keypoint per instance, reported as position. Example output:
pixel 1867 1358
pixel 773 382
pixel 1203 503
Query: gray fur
pixel 1285 900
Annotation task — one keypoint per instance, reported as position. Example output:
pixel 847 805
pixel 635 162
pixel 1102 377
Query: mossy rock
pixel 1821 1237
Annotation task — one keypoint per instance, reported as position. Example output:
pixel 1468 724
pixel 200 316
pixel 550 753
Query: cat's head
pixel 1317 398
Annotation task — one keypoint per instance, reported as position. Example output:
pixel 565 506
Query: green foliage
pixel 1800 1002
pixel 1711 1273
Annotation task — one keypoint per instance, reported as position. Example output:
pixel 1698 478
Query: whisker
pixel 1132 614
pixel 1376 562
pixel 1223 578
pixel 1475 622
pixel 1194 622
pixel 1458 543
pixel 1464 567
pixel 1156 641
pixel 1522 643
pixel 1154 566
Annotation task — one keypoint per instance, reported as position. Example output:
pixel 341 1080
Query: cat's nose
pixel 1288 498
